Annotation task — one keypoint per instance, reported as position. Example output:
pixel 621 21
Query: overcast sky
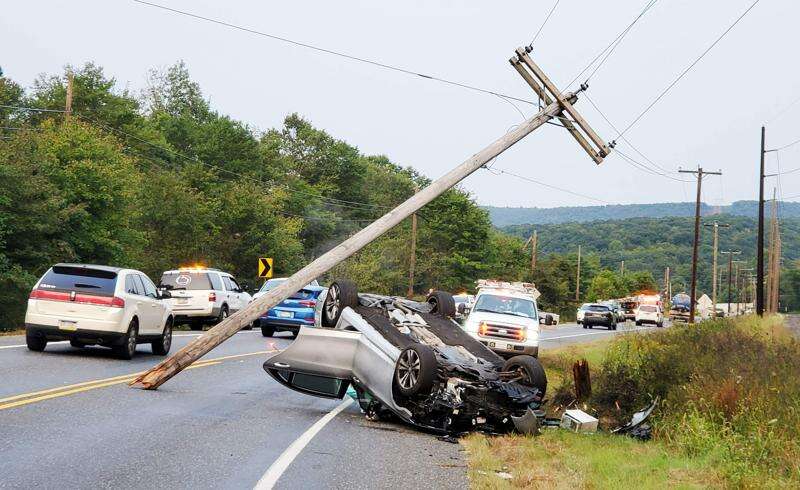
pixel 712 117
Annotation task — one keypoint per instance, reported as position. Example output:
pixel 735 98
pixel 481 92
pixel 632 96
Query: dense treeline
pixel 505 216
pixel 158 179
pixel 655 244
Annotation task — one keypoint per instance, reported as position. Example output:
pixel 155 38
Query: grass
pixel 730 415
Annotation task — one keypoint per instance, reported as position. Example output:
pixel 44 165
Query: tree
pixel 605 285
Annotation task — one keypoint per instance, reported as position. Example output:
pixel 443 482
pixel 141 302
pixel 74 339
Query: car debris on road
pixel 409 359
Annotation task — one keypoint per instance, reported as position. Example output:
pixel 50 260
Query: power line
pixel 332 52
pixel 543 184
pixel 544 23
pixel 688 68
pixel 616 40
pixel 784 146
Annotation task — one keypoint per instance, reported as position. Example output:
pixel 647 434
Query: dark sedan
pixel 599 315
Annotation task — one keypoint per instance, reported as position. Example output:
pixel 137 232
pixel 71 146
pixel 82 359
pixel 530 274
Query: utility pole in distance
pixel 693 294
pixel 534 250
pixel 68 103
pixel 736 284
pixel 716 226
pixel 730 254
pixel 578 277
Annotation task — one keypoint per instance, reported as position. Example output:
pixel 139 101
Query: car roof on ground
pixel 106 268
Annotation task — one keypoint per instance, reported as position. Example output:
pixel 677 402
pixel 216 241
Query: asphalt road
pixel 68 420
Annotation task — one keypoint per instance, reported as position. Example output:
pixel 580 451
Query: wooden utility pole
pixel 622 269
pixel 578 277
pixel 760 234
pixel 68 104
pixel 738 293
pixel 773 273
pixel 693 294
pixel 730 254
pixel 716 226
pixel 200 346
pixel 412 261
pixel 534 246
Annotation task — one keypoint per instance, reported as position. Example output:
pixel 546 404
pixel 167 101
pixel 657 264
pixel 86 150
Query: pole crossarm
pixel 531 72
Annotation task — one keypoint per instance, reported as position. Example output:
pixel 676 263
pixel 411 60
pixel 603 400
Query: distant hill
pixel 656 243
pixel 581 214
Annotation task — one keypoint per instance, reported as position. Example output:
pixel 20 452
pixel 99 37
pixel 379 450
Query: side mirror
pixel 548 319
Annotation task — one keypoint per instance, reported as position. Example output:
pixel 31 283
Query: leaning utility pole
pixel 760 234
pixel 560 107
pixel 716 226
pixel 693 294
pixel 578 277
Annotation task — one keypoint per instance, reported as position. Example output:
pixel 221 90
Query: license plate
pixel 183 301
pixel 67 325
pixel 285 314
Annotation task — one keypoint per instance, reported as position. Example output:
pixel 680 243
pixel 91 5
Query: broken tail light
pixel 212 297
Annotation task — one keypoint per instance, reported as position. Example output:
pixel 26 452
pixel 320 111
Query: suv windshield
pixel 185 280
pixel 505 305
pixel 80 279
pixel 271 284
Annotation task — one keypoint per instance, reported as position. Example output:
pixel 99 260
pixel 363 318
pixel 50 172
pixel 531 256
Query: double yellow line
pixel 39 396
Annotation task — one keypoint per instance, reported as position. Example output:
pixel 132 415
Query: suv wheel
pixel 162 345
pixel 442 304
pixel 223 314
pixel 35 342
pixel 415 370
pixel 531 371
pixel 267 331
pixel 341 294
pixel 128 348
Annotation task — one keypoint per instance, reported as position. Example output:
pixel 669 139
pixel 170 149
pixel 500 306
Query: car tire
pixel 223 314
pixel 162 345
pixel 294 333
pixel 442 304
pixel 128 347
pixel 532 370
pixel 267 331
pixel 249 326
pixel 591 326
pixel 660 324
pixel 76 344
pixel 35 342
pixel 613 327
pixel 341 294
pixel 415 370
pixel 585 326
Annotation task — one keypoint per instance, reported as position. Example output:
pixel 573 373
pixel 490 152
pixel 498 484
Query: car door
pixel 242 297
pixel 143 311
pixel 319 362
pixel 232 294
pixel 157 307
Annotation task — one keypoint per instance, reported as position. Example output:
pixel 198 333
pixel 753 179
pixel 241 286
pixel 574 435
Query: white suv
pixel 650 314
pixel 203 295
pixel 505 318
pixel 96 304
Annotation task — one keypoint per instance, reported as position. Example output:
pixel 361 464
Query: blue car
pixel 292 313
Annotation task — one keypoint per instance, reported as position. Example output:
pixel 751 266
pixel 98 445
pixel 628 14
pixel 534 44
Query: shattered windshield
pixel 506 305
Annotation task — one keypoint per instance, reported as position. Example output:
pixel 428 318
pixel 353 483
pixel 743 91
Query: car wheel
pixel 76 344
pixel 223 314
pixel 531 370
pixel 442 304
pixel 415 370
pixel 162 345
pixel 294 333
pixel 591 326
pixel 341 294
pixel 585 326
pixel 613 327
pixel 35 342
pixel 128 348
pixel 267 331
pixel 660 324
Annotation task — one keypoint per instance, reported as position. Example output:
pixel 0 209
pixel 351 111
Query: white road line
pixel 270 478
pixel 594 333
pixel 25 345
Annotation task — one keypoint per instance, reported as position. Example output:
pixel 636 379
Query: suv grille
pixel 507 332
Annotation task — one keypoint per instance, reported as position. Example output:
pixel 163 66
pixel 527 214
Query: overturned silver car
pixel 411 359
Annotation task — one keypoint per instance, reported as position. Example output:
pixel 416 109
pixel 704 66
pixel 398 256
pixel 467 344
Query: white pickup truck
pixel 505 317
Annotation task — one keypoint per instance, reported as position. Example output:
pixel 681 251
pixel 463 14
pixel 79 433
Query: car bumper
pixel 286 324
pixel 86 336
pixel 111 324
